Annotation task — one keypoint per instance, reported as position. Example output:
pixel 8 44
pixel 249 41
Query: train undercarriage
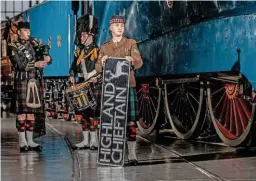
pixel 224 100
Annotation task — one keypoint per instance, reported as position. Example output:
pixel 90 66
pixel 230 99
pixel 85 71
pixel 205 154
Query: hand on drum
pixel 104 58
pixel 71 80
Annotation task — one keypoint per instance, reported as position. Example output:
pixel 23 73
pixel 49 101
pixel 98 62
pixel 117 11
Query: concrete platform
pixel 168 159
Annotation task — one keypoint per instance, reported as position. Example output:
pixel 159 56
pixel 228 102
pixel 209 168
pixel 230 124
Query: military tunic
pixel 126 47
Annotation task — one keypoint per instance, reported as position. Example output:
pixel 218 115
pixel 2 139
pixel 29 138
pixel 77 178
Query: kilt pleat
pixel 133 108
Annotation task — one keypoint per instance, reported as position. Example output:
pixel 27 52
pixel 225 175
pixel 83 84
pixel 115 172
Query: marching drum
pixel 80 97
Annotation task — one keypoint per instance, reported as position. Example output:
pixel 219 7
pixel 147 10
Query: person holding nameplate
pixel 120 46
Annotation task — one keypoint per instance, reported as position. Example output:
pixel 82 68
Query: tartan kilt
pixel 20 93
pixel 133 106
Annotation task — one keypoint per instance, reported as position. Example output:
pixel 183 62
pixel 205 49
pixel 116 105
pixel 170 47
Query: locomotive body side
pixel 190 37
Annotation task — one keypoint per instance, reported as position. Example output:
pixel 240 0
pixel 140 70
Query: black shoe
pixel 24 149
pixel 80 148
pixel 37 148
pixel 133 162
pixel 93 148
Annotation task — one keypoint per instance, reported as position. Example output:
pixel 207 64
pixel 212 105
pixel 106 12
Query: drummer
pixel 84 62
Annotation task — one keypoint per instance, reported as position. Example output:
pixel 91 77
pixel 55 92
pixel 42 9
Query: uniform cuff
pixel 30 66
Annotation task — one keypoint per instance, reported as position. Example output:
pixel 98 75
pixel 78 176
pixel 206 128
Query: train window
pixel 3 6
pixel 2 16
pixel 13 8
pixel 18 6
pixel 9 5
pixel 25 5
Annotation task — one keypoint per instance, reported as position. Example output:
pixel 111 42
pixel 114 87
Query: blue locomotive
pixel 198 59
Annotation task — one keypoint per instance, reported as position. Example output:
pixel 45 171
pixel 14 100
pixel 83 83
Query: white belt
pixel 89 75
pixel 80 75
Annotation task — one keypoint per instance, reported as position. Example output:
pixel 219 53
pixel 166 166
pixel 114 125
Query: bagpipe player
pixel 120 46
pixel 28 92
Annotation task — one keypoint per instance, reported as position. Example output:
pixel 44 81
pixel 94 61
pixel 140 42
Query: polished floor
pixel 167 159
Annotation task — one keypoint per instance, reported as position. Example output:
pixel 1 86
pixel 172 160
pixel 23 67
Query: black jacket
pixel 90 54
